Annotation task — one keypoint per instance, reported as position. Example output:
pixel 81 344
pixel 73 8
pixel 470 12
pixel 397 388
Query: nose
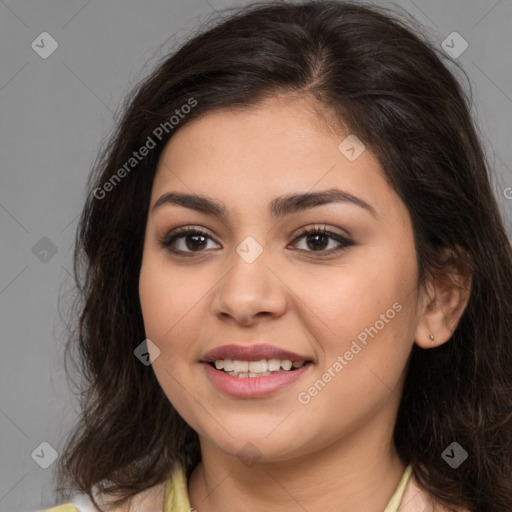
pixel 250 291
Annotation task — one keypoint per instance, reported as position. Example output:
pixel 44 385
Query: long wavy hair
pixel 380 78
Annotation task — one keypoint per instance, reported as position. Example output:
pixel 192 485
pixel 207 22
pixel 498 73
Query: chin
pixel 248 442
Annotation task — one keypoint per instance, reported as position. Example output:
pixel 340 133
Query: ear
pixel 443 301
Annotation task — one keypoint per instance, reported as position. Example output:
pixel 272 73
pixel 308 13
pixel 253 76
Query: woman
pixel 295 280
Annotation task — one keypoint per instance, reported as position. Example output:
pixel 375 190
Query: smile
pixel 251 384
pixel 261 368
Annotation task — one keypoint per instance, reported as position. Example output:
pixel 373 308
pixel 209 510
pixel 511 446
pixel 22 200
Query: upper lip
pixel 251 353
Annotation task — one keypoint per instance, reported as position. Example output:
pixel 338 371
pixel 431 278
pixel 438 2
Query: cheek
pixel 168 297
pixel 352 297
pixel 154 300
pixel 365 315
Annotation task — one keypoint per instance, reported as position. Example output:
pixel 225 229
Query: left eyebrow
pixel 278 207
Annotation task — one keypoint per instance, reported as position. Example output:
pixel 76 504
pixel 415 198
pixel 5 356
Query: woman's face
pixel 252 288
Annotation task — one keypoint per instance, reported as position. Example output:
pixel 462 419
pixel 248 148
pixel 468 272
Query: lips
pixel 250 385
pixel 251 353
pixel 254 387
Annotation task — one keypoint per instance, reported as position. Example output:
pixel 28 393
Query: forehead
pixel 280 146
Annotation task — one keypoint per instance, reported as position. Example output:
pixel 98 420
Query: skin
pixel 334 453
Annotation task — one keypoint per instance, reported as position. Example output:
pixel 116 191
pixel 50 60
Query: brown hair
pixel 388 86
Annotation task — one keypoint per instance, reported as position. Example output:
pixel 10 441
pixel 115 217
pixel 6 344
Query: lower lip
pixel 253 387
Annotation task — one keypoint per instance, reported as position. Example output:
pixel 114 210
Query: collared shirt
pixel 408 497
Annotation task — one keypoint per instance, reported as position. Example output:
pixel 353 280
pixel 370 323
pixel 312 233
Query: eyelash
pixel 170 238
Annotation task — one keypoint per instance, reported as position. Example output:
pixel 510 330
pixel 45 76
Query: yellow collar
pixel 396 499
pixel 176 495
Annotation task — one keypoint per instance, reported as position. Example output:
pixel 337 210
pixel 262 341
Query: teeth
pixel 240 366
pixel 249 374
pixel 274 365
pixel 260 368
pixel 286 364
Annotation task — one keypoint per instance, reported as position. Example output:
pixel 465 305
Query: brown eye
pixel 194 240
pixel 317 239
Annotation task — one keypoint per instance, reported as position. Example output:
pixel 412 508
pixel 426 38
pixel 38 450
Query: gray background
pixel 55 113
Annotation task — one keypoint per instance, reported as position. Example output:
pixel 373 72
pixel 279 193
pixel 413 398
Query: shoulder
pixel 149 500
pixel 417 499
pixel 66 507
pixel 79 503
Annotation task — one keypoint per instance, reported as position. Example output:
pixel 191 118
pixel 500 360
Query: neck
pixel 359 472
